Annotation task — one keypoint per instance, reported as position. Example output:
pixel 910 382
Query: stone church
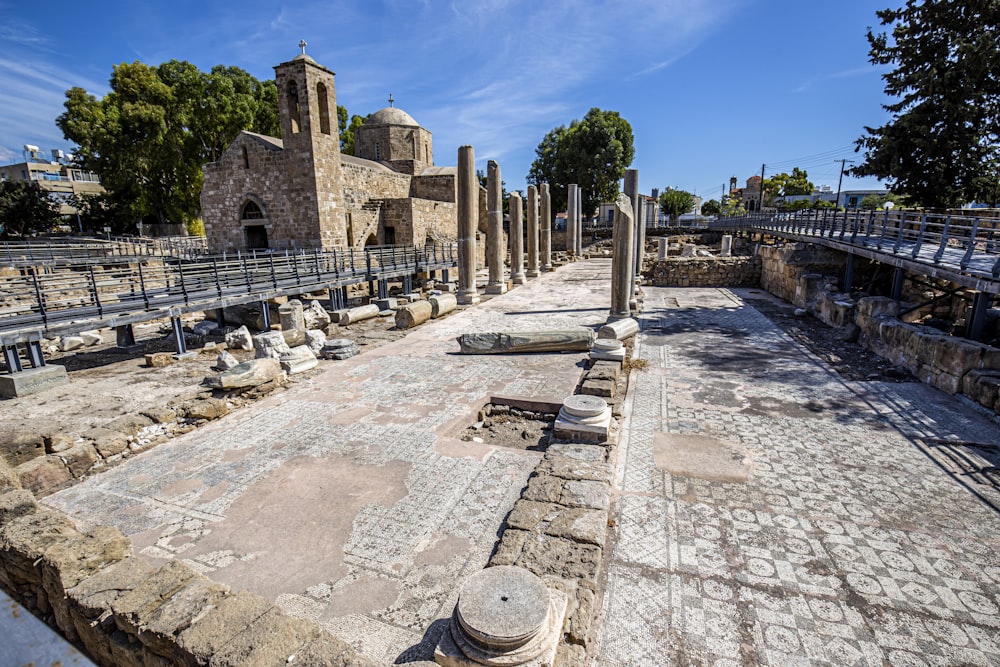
pixel 300 191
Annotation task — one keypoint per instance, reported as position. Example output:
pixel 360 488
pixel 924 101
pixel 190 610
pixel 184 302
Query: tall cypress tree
pixel 941 145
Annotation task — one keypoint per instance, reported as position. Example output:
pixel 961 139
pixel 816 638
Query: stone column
pixel 621 260
pixel 640 238
pixel 632 191
pixel 572 219
pixel 545 228
pixel 579 221
pixel 532 231
pixel 494 232
pixel 727 246
pixel 664 247
pixel 516 241
pixel 468 221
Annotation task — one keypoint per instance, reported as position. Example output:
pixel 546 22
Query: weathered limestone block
pixel 339 348
pixel 291 317
pixel 252 373
pixel 91 338
pixel 329 651
pixel 586 493
pixel 576 452
pixel 270 344
pixel 298 360
pixel 550 555
pixel 225 361
pixel 509 549
pixel 204 328
pixel 608 349
pixel 982 386
pixel 589 526
pixel 69 343
pixel 619 329
pixel 602 388
pixel 16 503
pixel 361 313
pixel 315 339
pixel 43 475
pixel 315 316
pixel 108 442
pixel 209 634
pixel 80 459
pixel 205 408
pixel 529 341
pixel 25 539
pixel 133 609
pixel 271 639
pixel 239 339
pixel 160 415
pixel 527 514
pixel 159 359
pixel 129 424
pixel 413 314
pixel 8 478
pixel 22 447
pixel 442 304
pixel 177 613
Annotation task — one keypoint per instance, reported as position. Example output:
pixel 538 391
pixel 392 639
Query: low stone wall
pixel 707 272
pixel 125 612
pixel 783 265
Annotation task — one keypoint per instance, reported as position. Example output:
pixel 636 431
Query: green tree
pixel 732 206
pixel 784 184
pixel 348 134
pixel 25 209
pixel 940 145
pixel 150 135
pixel 593 153
pixel 873 202
pixel 711 207
pixel 674 203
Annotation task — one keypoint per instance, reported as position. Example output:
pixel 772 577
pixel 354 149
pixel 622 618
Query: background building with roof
pixel 300 191
pixel 58 177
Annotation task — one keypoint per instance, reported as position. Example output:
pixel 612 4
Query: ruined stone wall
pixel 707 272
pixel 362 183
pixel 782 265
pixel 439 187
pixel 125 612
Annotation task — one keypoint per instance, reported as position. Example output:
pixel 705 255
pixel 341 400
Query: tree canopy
pixel 593 153
pixel 784 184
pixel 711 207
pixel 25 209
pixel 941 144
pixel 674 203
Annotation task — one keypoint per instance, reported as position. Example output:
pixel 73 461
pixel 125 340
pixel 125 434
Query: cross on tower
pixel 302 45
pixel 390 99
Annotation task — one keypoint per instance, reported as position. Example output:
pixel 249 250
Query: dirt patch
pixel 504 426
pixel 702 457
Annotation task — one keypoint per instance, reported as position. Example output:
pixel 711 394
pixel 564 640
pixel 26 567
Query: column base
pixel 467 297
pixel 548 269
pixel 519 279
pixel 32 381
pixel 496 288
pixel 532 273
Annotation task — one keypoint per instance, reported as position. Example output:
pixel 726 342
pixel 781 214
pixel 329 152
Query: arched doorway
pixel 253 226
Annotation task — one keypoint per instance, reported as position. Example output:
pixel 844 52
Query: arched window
pixel 246 158
pixel 294 111
pixel 251 211
pixel 324 109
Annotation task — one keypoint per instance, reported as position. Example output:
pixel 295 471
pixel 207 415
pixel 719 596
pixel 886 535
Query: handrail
pixel 54 299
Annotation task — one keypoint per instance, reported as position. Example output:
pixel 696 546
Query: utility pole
pixel 760 203
pixel 836 202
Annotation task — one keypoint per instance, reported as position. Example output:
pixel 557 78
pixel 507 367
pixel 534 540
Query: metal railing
pixel 87 296
pixel 966 244
pixel 88 251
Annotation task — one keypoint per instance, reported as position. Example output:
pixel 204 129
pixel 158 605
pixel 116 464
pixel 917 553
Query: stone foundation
pixel 707 272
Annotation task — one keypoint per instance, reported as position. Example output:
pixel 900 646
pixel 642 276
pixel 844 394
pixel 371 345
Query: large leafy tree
pixel 150 135
pixel 941 144
pixel 784 184
pixel 593 153
pixel 25 209
pixel 675 203
pixel 711 207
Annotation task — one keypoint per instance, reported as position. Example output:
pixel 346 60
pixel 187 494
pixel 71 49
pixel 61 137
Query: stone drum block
pixel 585 418
pixel 619 329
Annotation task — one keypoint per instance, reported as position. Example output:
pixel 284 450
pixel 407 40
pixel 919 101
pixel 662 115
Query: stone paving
pixel 853 541
pixel 349 499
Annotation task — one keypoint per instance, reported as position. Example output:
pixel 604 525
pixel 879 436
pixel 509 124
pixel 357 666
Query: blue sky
pixel 712 89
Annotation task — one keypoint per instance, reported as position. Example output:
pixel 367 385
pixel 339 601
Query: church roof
pixel 391 116
pixel 272 143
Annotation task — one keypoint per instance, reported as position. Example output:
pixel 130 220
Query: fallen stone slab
pixel 225 361
pixel 412 314
pixel 315 339
pixel 270 344
pixel 339 348
pixel 568 340
pixel 159 359
pixel 91 338
pixel 619 329
pixel 69 343
pixel 298 360
pixel 315 316
pixel 247 374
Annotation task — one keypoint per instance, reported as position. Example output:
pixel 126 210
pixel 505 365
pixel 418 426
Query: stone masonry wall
pixel 439 187
pixel 782 265
pixel 125 612
pixel 707 272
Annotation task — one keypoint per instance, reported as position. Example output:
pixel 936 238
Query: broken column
pixel 579 221
pixel 572 219
pixel 664 247
pixel 468 221
pixel 580 339
pixel 494 232
pixel 505 615
pixel 727 246
pixel 516 241
pixel 583 417
pixel 632 191
pixel 545 228
pixel 532 232
pixel 621 260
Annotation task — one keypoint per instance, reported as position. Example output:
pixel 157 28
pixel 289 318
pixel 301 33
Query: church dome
pixel 391 116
